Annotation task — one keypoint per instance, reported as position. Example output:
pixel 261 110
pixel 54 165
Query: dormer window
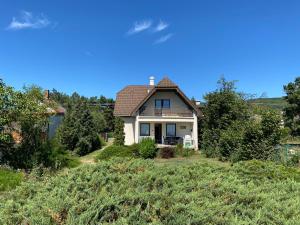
pixel 162 103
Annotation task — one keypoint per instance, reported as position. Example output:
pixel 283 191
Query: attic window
pixel 162 103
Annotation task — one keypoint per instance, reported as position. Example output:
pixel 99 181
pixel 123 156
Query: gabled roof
pixel 129 97
pixel 132 97
pixel 166 83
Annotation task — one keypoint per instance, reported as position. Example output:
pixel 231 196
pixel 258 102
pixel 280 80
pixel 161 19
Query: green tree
pixel 223 107
pixel 292 110
pixel 109 119
pixel 26 114
pixel 119 134
pixel 78 131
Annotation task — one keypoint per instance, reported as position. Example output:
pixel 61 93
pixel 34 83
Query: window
pixel 145 129
pixel 162 103
pixel 158 103
pixel 166 103
pixel 170 129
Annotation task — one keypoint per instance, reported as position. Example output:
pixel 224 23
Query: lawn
pixel 9 179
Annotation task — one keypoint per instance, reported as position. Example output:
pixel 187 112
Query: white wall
pixel 129 123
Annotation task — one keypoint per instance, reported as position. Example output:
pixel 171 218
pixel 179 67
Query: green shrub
pixel 167 152
pixel 147 148
pixel 117 151
pixel 184 152
pixel 231 141
pixel 134 148
pixel 9 179
pixel 293 160
pixel 257 170
pixel 136 191
pixel 102 141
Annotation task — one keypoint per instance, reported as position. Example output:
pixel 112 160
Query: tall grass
pixel 9 179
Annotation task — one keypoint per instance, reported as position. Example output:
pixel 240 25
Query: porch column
pixel 136 130
pixel 195 131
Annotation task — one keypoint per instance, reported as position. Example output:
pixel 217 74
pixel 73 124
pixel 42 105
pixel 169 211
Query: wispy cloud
pixel 163 39
pixel 28 21
pixel 161 26
pixel 140 26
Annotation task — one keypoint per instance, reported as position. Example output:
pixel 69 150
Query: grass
pixel 9 179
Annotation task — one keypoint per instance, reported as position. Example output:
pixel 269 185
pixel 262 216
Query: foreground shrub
pixel 117 151
pixel 141 192
pixel 167 152
pixel 258 170
pixel 147 148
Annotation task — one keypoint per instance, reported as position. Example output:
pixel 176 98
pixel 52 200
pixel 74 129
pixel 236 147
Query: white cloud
pixel 161 26
pixel 163 39
pixel 140 26
pixel 28 21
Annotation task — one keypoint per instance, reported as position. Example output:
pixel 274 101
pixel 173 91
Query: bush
pixel 123 191
pixel 167 152
pixel 134 148
pixel 147 148
pixel 184 152
pixel 293 160
pixel 257 170
pixel 231 141
pixel 117 151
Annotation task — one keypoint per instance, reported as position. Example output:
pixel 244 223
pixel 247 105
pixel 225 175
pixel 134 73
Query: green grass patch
pixel 118 151
pixel 9 179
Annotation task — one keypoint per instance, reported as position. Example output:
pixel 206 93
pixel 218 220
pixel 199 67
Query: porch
pixel 168 131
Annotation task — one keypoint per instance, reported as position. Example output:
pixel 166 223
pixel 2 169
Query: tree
pixel 78 131
pixel 109 119
pixel 23 113
pixel 292 110
pixel 119 134
pixel 223 107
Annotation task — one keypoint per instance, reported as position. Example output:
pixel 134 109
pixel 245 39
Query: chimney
pixel 151 81
pixel 46 95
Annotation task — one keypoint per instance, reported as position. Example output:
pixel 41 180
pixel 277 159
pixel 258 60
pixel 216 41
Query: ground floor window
pixel 171 129
pixel 145 129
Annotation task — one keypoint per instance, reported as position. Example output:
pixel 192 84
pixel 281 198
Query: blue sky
pixel 98 47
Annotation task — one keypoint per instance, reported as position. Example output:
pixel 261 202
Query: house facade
pixel 161 112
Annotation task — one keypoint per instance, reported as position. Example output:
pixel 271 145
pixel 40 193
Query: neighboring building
pixel 56 114
pixel 162 112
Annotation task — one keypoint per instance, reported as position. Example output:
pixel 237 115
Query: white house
pixel 162 112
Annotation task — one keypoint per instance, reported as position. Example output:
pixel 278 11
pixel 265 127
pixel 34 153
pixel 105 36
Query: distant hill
pixel 274 103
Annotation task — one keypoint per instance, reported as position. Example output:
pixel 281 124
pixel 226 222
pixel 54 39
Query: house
pixel 162 112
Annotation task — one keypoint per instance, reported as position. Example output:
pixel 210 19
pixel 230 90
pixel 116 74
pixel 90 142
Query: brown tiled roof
pixel 166 82
pixel 129 97
pixel 132 97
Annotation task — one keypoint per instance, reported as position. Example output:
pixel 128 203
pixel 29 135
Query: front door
pixel 158 133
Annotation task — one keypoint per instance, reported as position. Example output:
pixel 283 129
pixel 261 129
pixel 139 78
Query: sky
pixel 98 47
